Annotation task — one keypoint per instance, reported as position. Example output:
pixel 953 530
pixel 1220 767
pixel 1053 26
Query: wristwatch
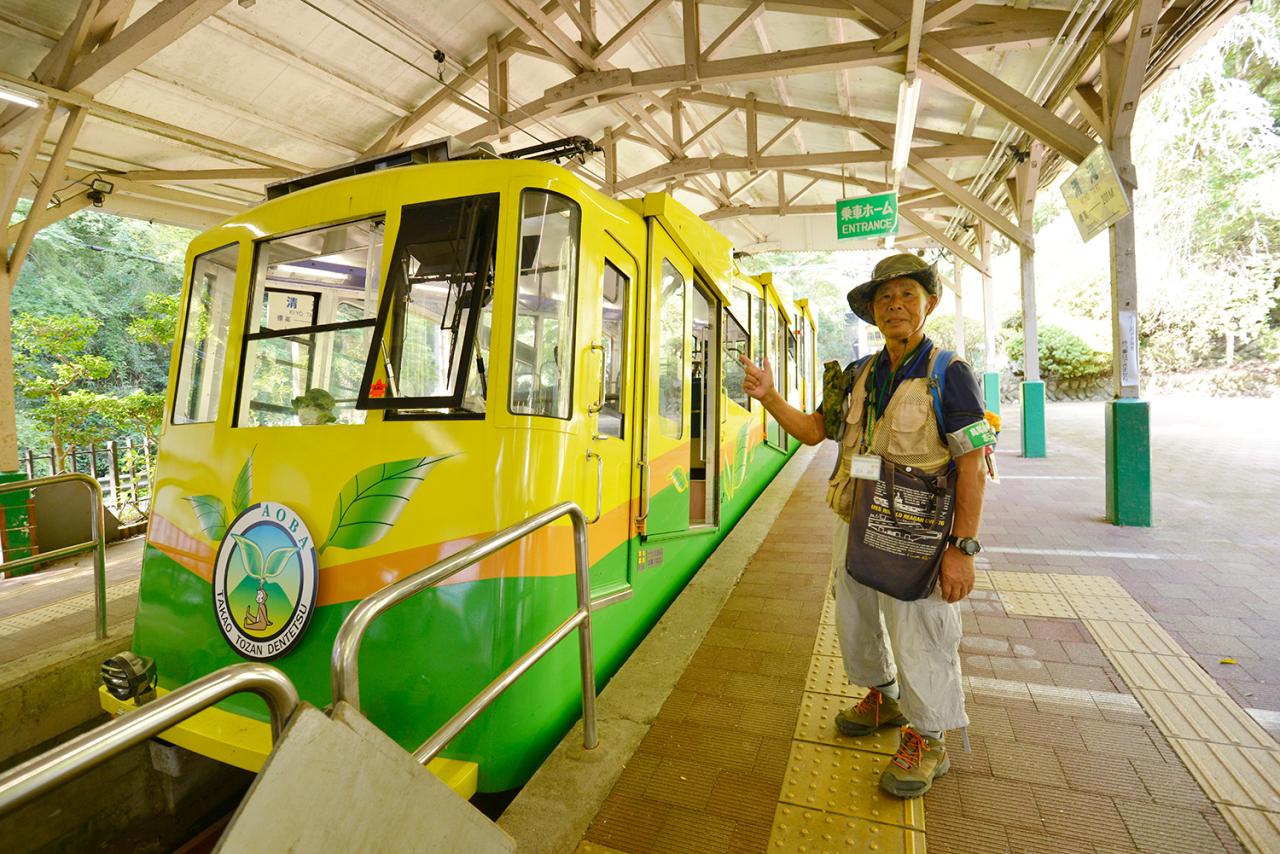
pixel 968 545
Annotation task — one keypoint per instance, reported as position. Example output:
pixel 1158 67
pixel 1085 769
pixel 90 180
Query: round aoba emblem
pixel 264 581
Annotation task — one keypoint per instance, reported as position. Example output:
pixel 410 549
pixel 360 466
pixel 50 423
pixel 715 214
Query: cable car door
pixel 613 418
pixel 669 360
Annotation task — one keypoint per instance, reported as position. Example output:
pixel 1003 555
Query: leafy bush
pixel 1063 355
pixel 941 329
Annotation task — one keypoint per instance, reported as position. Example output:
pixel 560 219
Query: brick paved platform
pixel 1063 640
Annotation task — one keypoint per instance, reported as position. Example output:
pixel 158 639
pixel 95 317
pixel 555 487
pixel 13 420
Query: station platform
pixel 1121 682
pixel 45 610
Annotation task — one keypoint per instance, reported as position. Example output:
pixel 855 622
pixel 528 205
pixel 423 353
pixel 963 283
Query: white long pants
pixel 925 640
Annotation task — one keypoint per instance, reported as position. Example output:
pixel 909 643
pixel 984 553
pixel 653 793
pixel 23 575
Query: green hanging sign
pixel 867 217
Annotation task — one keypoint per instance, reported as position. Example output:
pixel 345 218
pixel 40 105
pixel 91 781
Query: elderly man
pixel 905 652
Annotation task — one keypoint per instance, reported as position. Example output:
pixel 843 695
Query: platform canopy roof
pixel 757 114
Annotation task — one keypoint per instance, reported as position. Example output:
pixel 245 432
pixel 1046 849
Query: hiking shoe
pixel 919 760
pixel 869 714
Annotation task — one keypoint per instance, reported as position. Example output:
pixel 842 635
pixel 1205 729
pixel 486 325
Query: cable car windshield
pixel 431 344
pixel 311 317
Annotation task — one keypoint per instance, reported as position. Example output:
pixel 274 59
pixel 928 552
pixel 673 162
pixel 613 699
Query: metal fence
pixel 123 468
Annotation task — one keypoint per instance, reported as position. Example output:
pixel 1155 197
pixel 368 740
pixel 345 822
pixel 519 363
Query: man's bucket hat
pixel 903 265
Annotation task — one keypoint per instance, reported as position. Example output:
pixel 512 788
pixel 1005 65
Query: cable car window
pixel 613 323
pixel 431 343
pixel 310 324
pixel 758 328
pixel 776 356
pixel 546 291
pixel 741 308
pixel 671 353
pixel 793 363
pixel 736 343
pixel 204 335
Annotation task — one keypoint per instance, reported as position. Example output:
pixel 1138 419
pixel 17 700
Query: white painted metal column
pixel 957 270
pixel 991 374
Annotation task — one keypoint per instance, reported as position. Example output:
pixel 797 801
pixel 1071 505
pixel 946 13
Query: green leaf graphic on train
pixel 680 479
pixel 371 502
pixel 742 451
pixel 736 470
pixel 211 512
pixel 244 486
pixel 211 515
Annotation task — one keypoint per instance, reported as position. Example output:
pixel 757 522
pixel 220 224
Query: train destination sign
pixel 1094 195
pixel 867 217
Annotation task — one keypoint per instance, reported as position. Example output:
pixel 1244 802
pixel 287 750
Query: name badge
pixel 865 467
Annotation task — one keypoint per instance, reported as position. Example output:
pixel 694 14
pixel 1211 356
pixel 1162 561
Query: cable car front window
pixel 542 353
pixel 432 340
pixel 311 319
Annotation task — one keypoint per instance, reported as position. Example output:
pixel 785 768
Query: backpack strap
pixel 939 361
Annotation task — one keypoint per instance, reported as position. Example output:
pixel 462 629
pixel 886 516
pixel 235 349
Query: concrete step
pixel 340 784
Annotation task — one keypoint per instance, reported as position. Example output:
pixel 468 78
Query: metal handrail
pixel 346 646
pixel 49 770
pixel 97 532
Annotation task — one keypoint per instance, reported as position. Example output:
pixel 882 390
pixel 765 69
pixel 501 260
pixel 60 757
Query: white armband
pixel 977 435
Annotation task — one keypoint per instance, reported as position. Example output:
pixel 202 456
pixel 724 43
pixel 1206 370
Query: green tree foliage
pixel 1209 155
pixel 158 322
pixel 52 368
pixel 113 283
pixel 941 329
pixel 823 278
pixel 1063 354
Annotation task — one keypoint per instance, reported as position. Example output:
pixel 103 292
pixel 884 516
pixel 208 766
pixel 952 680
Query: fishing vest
pixel 907 435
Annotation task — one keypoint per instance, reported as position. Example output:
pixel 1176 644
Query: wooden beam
pixel 47 217
pixel 915 29
pixel 542 30
pixel 692 38
pixel 724 114
pixel 946 242
pixel 731 32
pixel 1137 50
pixel 779 135
pixel 1089 103
pixel 840 120
pixel 66 141
pixel 159 128
pixel 171 176
pixel 94 21
pixel 630 29
pixel 19 171
pixel 681 167
pixel 936 15
pixel 425 112
pixel 1072 144
pixel 813 182
pixel 159 27
pixel 966 199
pixel 586 29
pixel 751 181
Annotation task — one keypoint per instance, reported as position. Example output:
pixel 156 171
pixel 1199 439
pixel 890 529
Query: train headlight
pixel 128 676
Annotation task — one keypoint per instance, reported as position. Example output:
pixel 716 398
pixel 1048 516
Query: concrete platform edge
pixel 50 692
pixel 553 811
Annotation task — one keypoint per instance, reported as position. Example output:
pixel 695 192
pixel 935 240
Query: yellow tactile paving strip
pixel 831 798
pixel 826 676
pixel 21 622
pixel 1234 760
pixel 1037 604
